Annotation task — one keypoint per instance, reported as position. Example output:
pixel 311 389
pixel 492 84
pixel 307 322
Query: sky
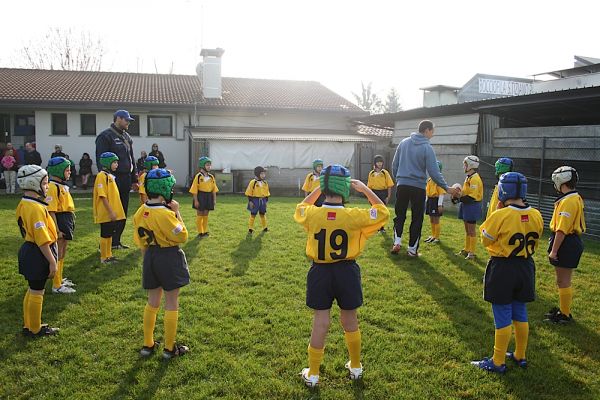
pixel 401 44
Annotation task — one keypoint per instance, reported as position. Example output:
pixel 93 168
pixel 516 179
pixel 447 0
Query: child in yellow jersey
pixel 204 192
pixel 434 207
pixel 150 163
pixel 511 236
pixel 502 166
pixel 61 208
pixel 158 232
pixel 336 237
pixel 470 205
pixel 380 182
pixel 258 196
pixel 312 181
pixel 107 205
pixel 566 246
pixel 38 255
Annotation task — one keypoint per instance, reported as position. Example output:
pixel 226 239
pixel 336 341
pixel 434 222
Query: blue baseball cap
pixel 124 114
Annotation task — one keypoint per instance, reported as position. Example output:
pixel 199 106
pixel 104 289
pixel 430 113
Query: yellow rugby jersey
pixel 493 206
pixel 311 182
pixel 257 188
pixel 35 223
pixel 568 216
pixel 59 197
pixel 433 190
pixel 204 183
pixel 105 186
pixel 512 231
pixel 141 180
pixel 381 180
pixel 157 225
pixel 336 233
pixel 473 187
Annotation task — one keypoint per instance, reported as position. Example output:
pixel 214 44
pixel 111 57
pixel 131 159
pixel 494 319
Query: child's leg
pixel 205 221
pixel 467 240
pixel 106 231
pixel 251 221
pixel 171 317
pixel 199 222
pixel 316 348
pixel 471 237
pixel 263 220
pixel 435 226
pixel 502 321
pixel 34 305
pixel 521 324
pixel 57 280
pixel 25 309
pixel 150 313
pixel 565 291
pixel 349 320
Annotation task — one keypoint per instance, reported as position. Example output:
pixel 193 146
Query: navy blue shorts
pixel 470 213
pixel 260 205
pixel 32 262
pixel 509 279
pixel 431 207
pixel 338 281
pixel 66 224
pixel 569 252
pixel 107 229
pixel 206 201
pixel 382 194
pixel 165 267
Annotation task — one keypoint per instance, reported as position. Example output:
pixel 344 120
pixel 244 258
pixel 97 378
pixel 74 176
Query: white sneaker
pixel 435 241
pixel 63 290
pixel 310 381
pixel 470 256
pixel 354 373
pixel 67 282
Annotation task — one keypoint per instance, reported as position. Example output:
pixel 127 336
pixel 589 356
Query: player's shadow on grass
pixel 475 329
pixel 89 275
pixel 246 251
pixel 472 268
pixel 130 381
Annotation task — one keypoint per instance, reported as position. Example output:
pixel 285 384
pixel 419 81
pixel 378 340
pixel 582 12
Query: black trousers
pixel 123 181
pixel 416 197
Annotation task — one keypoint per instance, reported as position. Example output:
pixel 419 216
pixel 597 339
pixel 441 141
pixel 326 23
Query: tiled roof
pixel 120 88
pixel 372 131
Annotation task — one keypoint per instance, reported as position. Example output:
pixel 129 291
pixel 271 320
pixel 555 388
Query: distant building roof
pixel 26 86
pixel 374 131
pixel 440 88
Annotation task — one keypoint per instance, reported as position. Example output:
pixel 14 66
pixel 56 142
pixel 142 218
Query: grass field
pixel 245 320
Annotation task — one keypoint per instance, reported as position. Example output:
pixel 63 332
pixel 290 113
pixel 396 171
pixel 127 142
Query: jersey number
pixel 148 234
pixel 526 242
pixel 340 249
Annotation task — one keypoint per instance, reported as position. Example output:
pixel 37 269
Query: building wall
pixel 175 148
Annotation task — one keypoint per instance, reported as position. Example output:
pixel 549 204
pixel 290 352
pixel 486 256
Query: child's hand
pixel 196 204
pixel 112 216
pixel 174 205
pixel 440 210
pixel 52 269
pixel 499 205
pixel 357 185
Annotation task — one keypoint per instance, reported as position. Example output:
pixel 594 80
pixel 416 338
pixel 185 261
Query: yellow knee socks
pixel 263 220
pixel 435 230
pixel 315 357
pixel 200 223
pixel 34 312
pixel 105 248
pixel 26 310
pixel 251 221
pixel 150 314
pixel 58 276
pixel 565 298
pixel 170 328
pixel 205 223
pixel 353 344
pixel 521 338
pixel 501 344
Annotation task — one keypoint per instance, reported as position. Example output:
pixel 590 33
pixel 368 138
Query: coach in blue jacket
pixel 116 139
pixel 414 159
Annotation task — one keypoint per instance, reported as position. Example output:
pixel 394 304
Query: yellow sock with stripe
pixel 199 224
pixel 521 338
pixel 205 223
pixel 57 280
pixel 467 243
pixel 263 221
pixel 353 344
pixel 25 310
pixel 502 338
pixel 315 358
pixel 105 248
pixel 150 314
pixel 565 298
pixel 34 312
pixel 171 318
pixel 251 221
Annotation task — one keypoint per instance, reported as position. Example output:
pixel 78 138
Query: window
pixel 160 125
pixel 59 124
pixel 88 124
pixel 134 126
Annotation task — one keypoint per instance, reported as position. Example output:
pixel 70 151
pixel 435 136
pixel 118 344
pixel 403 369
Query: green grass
pixel 245 320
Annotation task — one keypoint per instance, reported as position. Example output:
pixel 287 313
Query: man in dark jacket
pixel 32 156
pixel 116 140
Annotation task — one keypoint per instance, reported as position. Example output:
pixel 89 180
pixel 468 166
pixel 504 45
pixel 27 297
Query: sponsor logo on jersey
pixel 331 216
pixel 525 218
pixel 39 225
pixel 373 213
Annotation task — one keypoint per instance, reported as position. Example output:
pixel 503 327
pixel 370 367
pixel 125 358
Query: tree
pixel 63 49
pixel 392 102
pixel 368 100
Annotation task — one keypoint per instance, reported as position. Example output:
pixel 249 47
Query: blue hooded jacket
pixel 414 159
